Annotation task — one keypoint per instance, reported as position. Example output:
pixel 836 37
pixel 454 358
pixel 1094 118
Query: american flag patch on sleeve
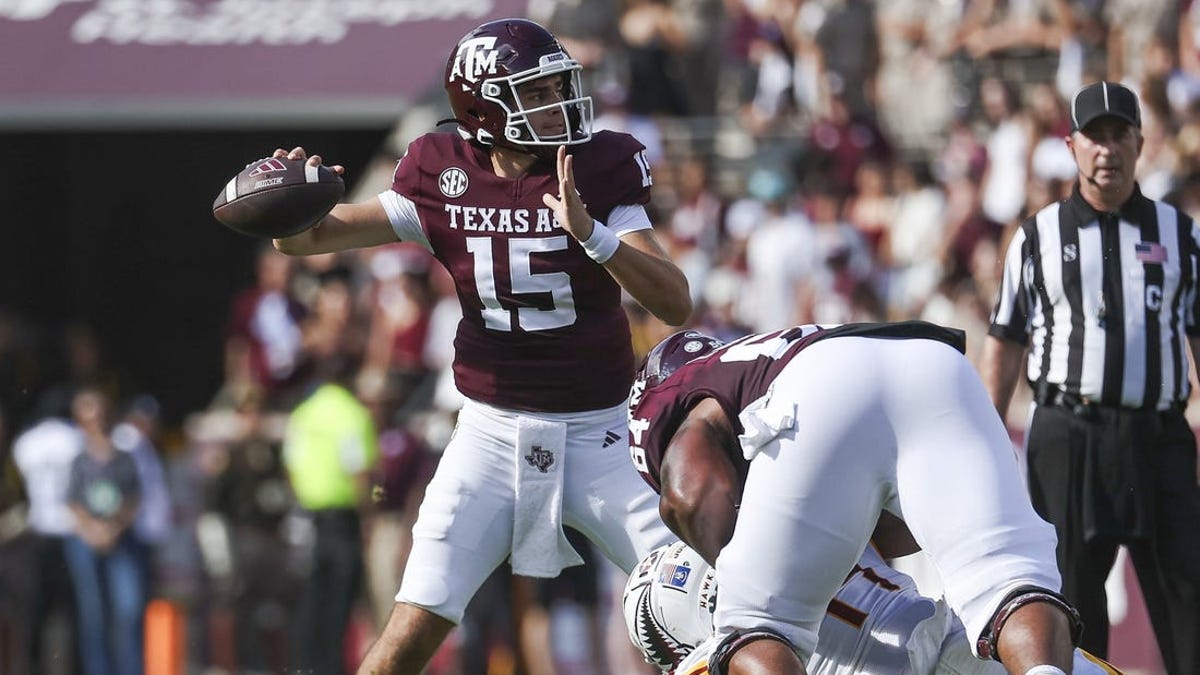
pixel 1150 252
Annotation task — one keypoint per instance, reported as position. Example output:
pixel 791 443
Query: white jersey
pixel 43 455
pixel 879 624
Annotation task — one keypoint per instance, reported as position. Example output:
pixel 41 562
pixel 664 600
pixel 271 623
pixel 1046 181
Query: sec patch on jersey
pixel 278 197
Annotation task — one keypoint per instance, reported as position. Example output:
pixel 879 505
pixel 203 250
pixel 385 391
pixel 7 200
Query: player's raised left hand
pixel 568 207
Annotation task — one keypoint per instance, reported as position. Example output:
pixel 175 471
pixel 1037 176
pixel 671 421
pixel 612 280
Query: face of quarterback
pixel 545 91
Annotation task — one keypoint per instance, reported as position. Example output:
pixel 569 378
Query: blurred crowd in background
pixel 814 161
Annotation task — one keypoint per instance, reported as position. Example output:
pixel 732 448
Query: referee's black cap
pixel 1104 99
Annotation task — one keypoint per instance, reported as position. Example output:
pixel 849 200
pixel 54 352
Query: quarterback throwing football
pixel 541 225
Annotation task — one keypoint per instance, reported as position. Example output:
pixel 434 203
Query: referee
pixel 1102 289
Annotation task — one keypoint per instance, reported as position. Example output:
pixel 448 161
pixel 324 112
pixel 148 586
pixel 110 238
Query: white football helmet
pixel 668 604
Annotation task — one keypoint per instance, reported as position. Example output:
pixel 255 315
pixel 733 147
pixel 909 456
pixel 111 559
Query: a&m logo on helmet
pixel 475 60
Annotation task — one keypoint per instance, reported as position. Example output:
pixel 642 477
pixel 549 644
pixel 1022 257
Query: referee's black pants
pixel 1106 477
pixel 333 586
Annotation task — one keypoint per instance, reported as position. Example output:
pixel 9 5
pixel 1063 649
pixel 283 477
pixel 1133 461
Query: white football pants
pixel 904 425
pixel 465 526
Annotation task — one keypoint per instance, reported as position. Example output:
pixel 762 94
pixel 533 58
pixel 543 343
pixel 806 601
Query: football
pixel 278 197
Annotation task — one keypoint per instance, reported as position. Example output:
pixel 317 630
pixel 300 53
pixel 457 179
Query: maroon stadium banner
pixel 86 63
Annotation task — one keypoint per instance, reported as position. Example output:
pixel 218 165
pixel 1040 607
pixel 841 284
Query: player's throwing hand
pixel 299 153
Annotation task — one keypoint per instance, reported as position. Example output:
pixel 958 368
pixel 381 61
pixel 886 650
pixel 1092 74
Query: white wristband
pixel 1045 670
pixel 602 244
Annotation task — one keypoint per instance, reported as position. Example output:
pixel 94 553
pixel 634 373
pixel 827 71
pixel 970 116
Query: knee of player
pixel 755 650
pixel 1029 621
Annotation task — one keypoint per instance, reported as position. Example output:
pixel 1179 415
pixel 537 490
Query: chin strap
pixel 988 643
pixel 725 649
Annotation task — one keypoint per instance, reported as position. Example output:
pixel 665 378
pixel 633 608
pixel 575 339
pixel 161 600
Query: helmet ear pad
pixel 482 119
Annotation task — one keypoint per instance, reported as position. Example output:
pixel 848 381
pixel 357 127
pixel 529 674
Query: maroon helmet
pixel 484 71
pixel 670 354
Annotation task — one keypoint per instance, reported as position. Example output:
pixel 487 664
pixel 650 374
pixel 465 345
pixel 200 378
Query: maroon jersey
pixel 542 327
pixel 735 375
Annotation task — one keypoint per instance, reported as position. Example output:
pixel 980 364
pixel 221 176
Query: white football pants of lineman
pixel 904 425
pixel 465 525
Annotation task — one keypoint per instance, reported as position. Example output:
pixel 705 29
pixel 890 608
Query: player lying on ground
pixel 878 623
pixel 779 451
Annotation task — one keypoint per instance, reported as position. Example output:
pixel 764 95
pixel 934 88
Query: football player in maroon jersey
pixel 776 455
pixel 541 224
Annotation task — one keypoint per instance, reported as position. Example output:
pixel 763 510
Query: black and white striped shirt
pixel 1105 301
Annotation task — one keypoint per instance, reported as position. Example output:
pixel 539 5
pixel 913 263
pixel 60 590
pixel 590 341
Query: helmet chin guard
pixel 485 71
